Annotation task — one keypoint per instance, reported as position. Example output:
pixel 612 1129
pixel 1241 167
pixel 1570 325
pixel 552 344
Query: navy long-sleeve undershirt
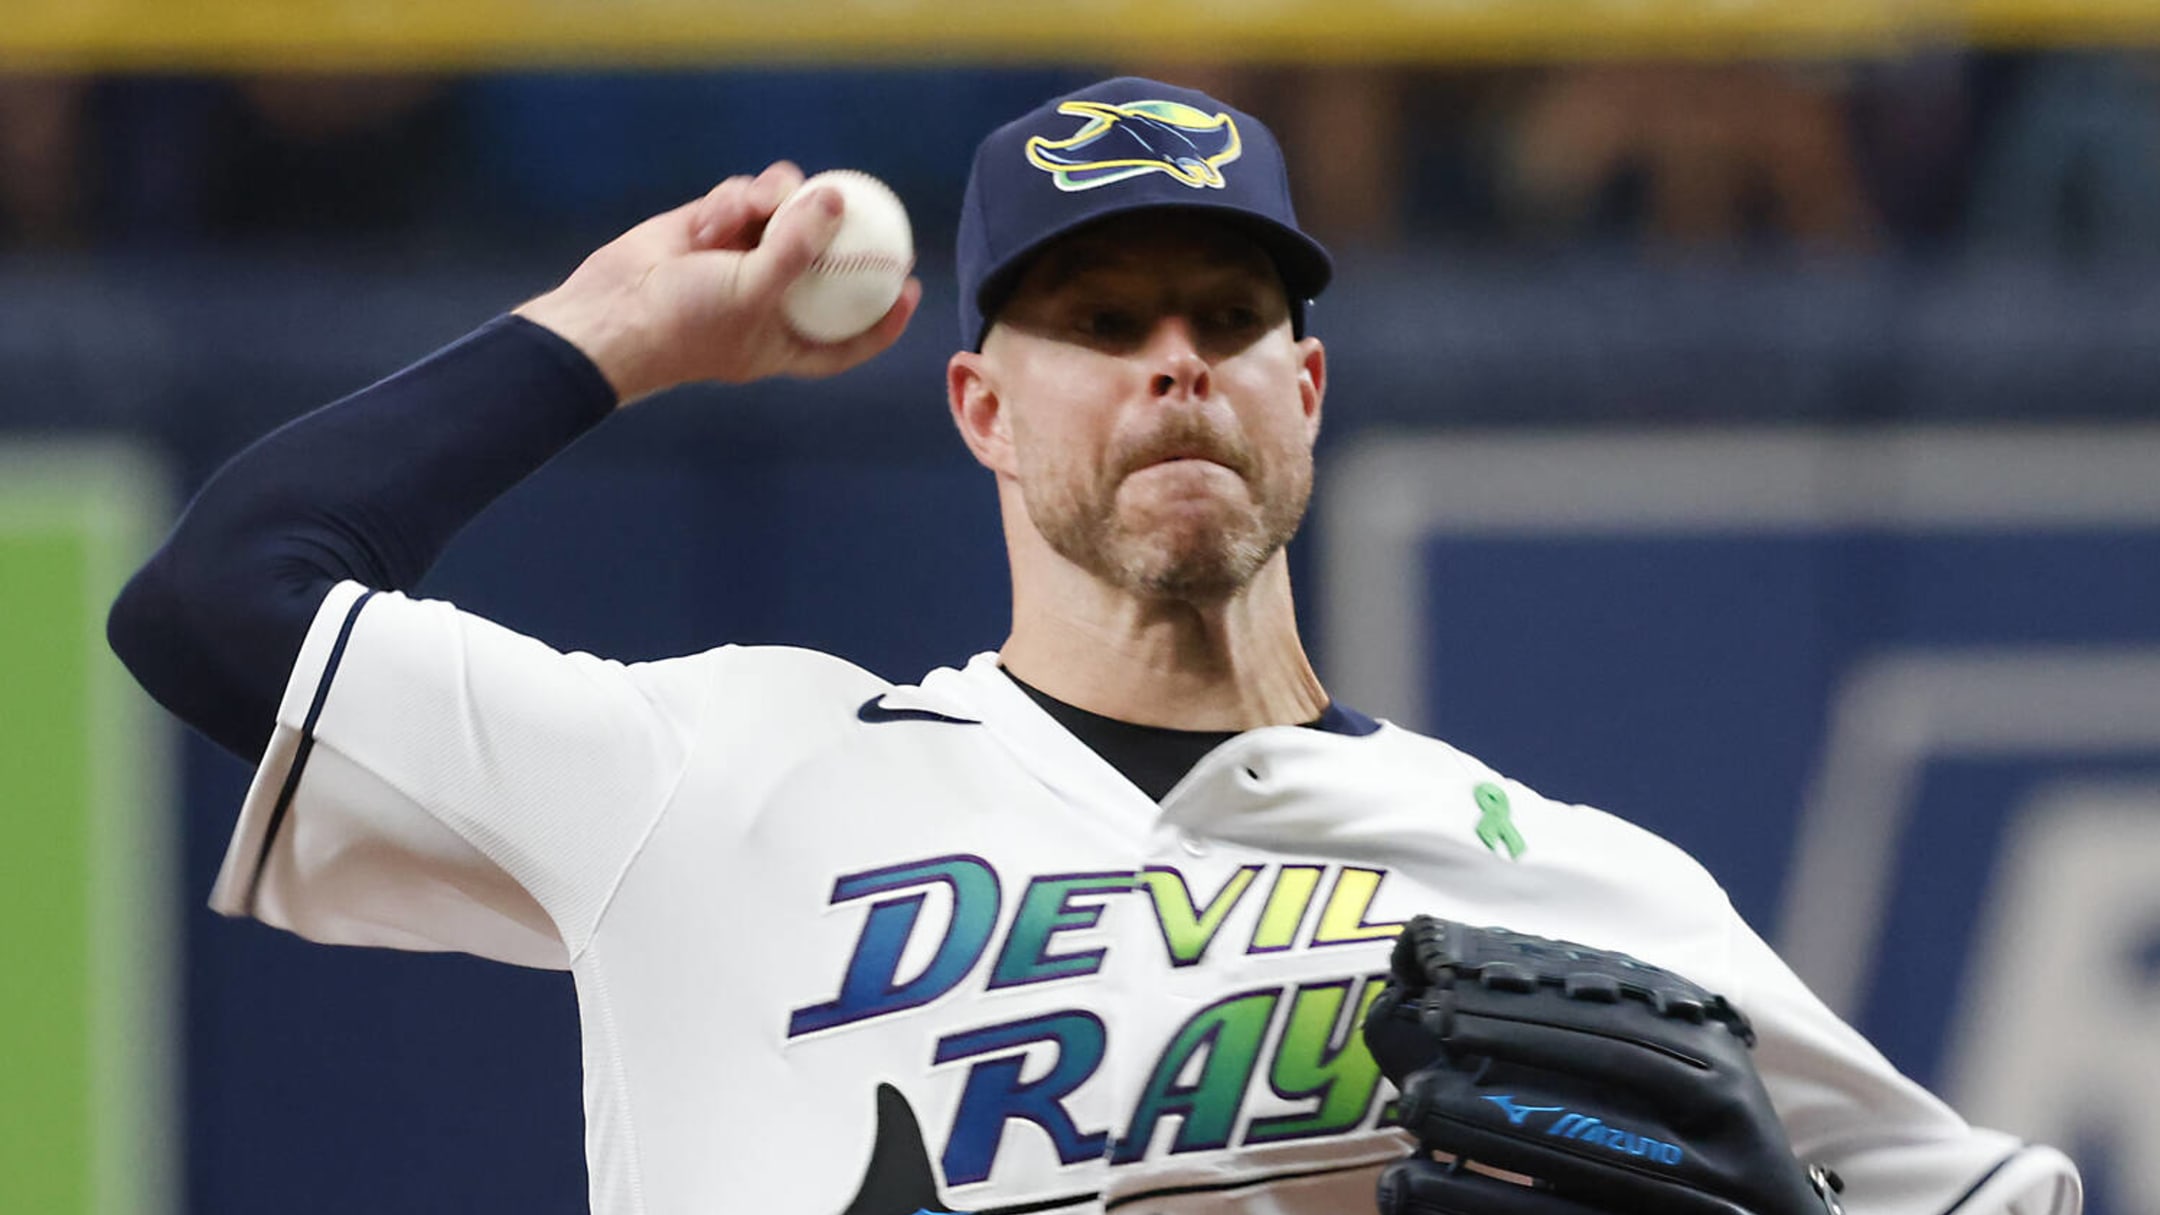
pixel 370 488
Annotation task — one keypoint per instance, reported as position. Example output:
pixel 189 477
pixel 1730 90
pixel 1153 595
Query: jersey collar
pixel 1339 718
pixel 1047 749
pixel 982 691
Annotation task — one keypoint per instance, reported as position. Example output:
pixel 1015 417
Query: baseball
pixel 860 274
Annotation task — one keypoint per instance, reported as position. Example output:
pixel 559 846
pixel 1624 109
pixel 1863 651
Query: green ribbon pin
pixel 1495 827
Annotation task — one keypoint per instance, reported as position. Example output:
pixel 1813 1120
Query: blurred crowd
pixel 2050 154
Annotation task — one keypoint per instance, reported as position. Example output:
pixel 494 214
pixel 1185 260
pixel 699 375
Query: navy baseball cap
pixel 1124 145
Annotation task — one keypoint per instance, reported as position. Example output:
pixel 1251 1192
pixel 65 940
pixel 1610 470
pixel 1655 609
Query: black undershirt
pixel 1154 758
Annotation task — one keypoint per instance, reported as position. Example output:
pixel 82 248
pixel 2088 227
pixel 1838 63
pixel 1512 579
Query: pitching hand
pixel 694 293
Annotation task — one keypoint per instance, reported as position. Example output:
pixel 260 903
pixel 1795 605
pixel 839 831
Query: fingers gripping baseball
pixel 790 243
pixel 694 293
pixel 732 215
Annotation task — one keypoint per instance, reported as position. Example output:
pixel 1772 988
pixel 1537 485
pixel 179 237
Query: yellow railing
pixel 465 34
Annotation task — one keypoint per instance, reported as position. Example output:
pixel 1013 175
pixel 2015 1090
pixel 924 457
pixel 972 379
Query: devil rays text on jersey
pixel 1200 1076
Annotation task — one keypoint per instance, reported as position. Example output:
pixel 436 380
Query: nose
pixel 1173 351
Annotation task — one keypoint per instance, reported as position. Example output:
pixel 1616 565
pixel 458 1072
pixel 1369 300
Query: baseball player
pixel 1086 922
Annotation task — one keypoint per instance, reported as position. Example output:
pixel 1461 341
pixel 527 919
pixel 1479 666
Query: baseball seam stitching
pixel 860 263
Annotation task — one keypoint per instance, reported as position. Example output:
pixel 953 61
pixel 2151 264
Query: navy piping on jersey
pixel 1339 718
pixel 300 753
pixel 1043 1204
pixel 1156 758
pixel 1984 1178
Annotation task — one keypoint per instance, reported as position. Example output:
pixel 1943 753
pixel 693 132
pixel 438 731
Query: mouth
pixel 1187 455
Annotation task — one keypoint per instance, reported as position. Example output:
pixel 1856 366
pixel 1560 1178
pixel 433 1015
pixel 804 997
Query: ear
pixel 1312 382
pixel 978 411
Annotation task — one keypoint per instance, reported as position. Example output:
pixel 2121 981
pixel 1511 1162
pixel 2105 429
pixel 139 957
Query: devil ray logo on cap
pixel 1118 142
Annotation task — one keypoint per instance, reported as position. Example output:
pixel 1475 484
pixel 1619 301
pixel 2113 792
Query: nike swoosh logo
pixel 876 712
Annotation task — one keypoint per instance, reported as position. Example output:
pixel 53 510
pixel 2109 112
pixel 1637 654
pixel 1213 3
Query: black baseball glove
pixel 1606 1086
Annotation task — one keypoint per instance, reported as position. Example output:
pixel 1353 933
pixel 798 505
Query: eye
pixel 1235 316
pixel 1109 324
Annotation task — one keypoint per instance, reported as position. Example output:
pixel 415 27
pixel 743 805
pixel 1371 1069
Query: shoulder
pixel 1561 830
pixel 401 651
pixel 786 669
pixel 1422 753
pixel 388 627
pixel 769 685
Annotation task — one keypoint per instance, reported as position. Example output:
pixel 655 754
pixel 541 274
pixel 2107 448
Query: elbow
pixel 193 609
pixel 144 619
pixel 215 660
pixel 211 623
pixel 148 630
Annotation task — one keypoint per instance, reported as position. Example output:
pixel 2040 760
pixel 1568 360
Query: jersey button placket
pixel 1135 994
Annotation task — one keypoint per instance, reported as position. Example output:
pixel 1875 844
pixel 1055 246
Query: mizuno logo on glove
pixel 1588 1128
pixel 1516 1113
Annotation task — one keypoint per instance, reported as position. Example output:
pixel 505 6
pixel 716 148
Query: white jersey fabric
pixel 811 914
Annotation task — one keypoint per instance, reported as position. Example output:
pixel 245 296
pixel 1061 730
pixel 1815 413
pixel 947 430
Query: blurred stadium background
pixel 1744 418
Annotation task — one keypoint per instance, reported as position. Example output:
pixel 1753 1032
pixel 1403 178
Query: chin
pixel 1195 567
pixel 1191 585
pixel 1195 548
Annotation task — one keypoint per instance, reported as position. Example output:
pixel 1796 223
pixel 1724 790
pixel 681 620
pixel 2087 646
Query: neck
pixel 1229 664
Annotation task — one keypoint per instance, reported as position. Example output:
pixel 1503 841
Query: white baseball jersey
pixel 845 948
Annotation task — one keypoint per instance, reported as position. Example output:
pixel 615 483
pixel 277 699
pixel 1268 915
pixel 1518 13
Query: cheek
pixel 1050 448
pixel 1035 456
pixel 1277 424
pixel 1062 425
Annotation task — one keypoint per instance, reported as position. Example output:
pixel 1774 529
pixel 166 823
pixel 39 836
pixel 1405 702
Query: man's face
pixel 1161 414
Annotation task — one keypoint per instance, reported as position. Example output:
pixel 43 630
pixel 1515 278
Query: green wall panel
pixel 86 998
